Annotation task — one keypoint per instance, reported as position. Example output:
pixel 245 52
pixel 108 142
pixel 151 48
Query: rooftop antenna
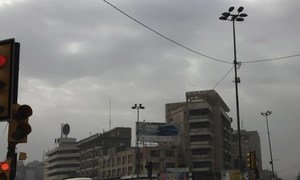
pixel 109 114
pixel 242 124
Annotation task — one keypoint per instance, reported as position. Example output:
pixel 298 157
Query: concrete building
pixel 96 147
pixel 35 170
pixel 120 162
pixel 63 161
pixel 205 133
pixel 250 141
pixel 21 170
pixel 109 155
pixel 32 171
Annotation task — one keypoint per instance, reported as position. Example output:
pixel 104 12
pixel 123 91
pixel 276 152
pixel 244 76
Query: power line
pixel 223 77
pixel 272 59
pixel 165 37
pixel 194 51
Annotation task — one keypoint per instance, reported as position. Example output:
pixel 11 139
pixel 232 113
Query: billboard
pixel 157 132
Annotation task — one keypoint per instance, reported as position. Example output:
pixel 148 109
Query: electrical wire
pixel 272 59
pixel 165 37
pixel 194 51
pixel 223 77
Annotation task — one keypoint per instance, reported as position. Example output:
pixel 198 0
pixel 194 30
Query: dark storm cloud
pixel 76 56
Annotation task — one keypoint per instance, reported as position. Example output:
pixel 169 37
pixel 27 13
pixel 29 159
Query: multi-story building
pixel 205 133
pixel 250 141
pixel 32 171
pixel 120 162
pixel 35 170
pixel 21 170
pixel 95 147
pixel 63 161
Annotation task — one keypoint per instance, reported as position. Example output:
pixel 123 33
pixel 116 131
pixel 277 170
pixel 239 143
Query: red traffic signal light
pixel 18 126
pixel 6 77
pixel 5 170
pixel 4 166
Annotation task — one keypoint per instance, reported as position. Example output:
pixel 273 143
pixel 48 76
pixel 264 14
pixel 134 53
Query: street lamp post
pixel 236 17
pixel 266 114
pixel 138 164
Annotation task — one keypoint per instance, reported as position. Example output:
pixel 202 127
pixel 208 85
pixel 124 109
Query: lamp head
pixel 240 9
pixel 231 9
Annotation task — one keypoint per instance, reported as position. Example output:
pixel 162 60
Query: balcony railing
pixel 202 157
pixel 200 131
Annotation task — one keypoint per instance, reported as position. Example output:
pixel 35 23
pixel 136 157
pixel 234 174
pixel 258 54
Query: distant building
pixel 250 141
pixel 63 161
pixel 96 147
pixel 35 170
pixel 31 171
pixel 21 170
pixel 205 133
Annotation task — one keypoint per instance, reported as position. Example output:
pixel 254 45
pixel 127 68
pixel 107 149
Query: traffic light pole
pixel 12 155
pixel 11 148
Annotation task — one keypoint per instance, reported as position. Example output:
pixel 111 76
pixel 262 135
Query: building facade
pixel 95 147
pixel 63 161
pixel 120 162
pixel 205 133
pixel 250 141
pixel 32 171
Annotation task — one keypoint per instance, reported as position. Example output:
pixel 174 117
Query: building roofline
pixel 98 135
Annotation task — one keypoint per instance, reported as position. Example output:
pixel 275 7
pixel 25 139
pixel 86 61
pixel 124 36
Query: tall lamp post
pixel 266 114
pixel 236 17
pixel 138 164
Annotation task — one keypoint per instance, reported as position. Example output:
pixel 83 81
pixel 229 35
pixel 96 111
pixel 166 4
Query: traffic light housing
pixel 18 126
pixel 6 78
pixel 249 160
pixel 5 170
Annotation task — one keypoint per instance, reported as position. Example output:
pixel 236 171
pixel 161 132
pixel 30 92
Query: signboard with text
pixel 157 132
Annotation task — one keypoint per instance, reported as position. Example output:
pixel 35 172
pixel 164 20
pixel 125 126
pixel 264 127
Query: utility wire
pixel 165 37
pixel 272 59
pixel 223 77
pixel 194 51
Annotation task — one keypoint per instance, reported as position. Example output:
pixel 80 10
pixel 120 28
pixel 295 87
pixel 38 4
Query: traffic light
pixel 18 126
pixel 249 160
pixel 6 77
pixel 5 170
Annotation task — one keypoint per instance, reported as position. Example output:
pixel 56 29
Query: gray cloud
pixel 77 56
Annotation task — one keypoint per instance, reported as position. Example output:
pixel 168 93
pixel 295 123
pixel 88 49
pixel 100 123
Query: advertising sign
pixel 157 132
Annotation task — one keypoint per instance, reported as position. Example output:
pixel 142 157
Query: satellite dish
pixel 66 129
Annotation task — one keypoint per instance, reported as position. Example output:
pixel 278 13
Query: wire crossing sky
pixel 77 57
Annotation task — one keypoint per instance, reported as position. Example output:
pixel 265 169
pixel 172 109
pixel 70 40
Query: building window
pixel 124 160
pixel 170 165
pixel 206 164
pixel 169 153
pixel 129 158
pixel 155 153
pixel 199 112
pixel 156 165
pixel 130 170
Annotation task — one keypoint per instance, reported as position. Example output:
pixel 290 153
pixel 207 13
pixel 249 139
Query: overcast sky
pixel 78 55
